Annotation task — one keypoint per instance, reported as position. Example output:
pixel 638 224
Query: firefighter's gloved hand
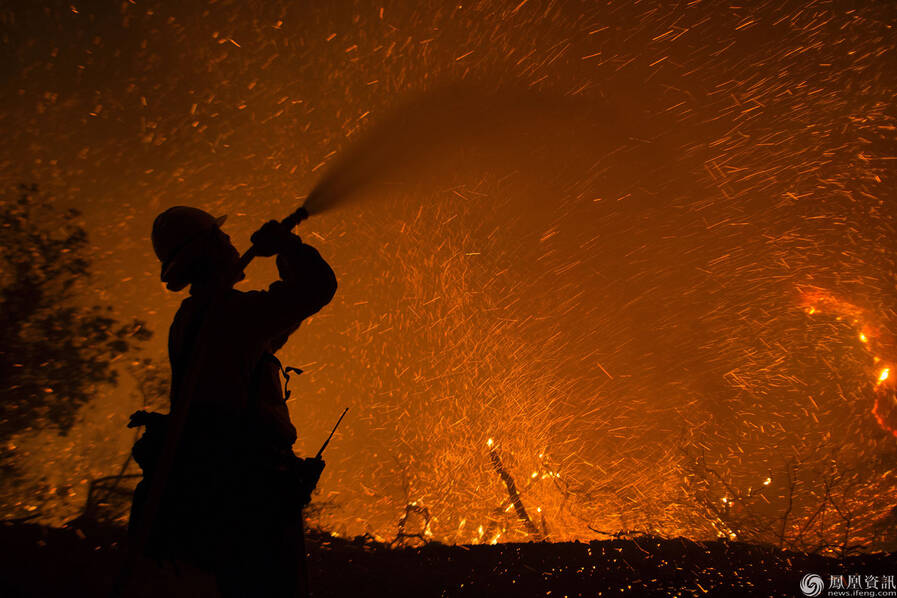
pixel 145 418
pixel 271 238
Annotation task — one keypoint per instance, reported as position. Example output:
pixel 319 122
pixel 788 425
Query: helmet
pixel 177 227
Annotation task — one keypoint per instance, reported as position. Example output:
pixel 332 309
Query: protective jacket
pixel 229 495
pixel 221 346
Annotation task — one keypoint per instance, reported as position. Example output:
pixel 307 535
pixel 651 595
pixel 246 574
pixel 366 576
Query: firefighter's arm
pixel 307 283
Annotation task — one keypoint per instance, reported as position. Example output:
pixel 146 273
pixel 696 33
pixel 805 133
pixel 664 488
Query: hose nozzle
pixel 290 222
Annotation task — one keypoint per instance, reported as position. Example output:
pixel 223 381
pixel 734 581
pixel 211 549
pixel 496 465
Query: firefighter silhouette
pixel 222 488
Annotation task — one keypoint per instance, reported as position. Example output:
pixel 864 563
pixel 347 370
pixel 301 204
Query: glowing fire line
pixel 876 343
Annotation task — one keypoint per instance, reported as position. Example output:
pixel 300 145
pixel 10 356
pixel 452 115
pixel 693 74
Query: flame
pixel 875 342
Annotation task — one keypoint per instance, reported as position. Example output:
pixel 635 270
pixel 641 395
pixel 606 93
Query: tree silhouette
pixel 56 350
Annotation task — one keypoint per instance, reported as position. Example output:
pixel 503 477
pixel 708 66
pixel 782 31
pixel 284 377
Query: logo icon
pixel 811 585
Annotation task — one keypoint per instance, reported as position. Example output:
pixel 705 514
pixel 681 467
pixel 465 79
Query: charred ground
pixel 72 561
